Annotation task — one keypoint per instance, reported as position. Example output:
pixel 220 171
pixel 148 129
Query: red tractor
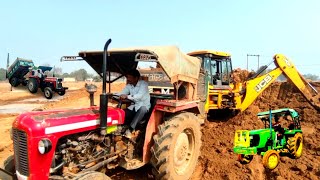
pixel 48 85
pixel 85 143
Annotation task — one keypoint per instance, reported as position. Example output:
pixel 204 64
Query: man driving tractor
pixel 137 91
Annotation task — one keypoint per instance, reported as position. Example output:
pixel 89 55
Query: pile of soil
pixel 219 162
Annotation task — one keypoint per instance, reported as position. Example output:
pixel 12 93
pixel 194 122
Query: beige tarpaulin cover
pixel 177 65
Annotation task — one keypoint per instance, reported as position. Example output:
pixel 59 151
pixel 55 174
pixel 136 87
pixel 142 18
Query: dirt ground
pixel 217 160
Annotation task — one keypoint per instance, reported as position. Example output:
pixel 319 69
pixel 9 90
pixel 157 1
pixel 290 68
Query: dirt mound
pixel 238 75
pixel 219 162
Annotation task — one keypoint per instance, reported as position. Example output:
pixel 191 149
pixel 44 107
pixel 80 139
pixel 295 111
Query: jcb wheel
pixel 176 147
pixel 48 93
pixel 245 159
pixel 33 85
pixel 90 175
pixel 271 159
pixel 295 145
pixel 14 82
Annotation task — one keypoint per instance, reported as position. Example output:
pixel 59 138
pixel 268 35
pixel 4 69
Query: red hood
pixel 39 123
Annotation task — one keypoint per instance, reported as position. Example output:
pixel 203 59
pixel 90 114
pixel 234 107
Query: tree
pixel 312 77
pixel 80 74
pixel 2 74
pixel 57 71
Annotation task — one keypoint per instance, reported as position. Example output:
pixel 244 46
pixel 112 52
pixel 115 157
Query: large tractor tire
pixel 295 145
pixel 14 82
pixel 33 85
pixel 176 147
pixel 9 166
pixel 92 175
pixel 271 159
pixel 245 159
pixel 48 93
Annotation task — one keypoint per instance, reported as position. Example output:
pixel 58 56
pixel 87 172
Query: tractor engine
pixel 87 151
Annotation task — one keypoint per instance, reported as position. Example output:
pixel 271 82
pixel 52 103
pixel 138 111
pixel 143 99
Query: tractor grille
pixel 21 151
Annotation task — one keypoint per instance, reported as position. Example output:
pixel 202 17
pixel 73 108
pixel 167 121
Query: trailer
pixel 18 70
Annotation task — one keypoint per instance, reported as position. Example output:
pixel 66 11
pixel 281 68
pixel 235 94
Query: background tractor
pixel 22 71
pixel 273 141
pixel 37 78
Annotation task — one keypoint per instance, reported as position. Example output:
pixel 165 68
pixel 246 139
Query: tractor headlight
pixel 44 146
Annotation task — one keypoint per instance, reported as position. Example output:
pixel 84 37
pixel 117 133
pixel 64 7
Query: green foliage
pixel 97 78
pixel 2 74
pixel 80 74
pixel 312 77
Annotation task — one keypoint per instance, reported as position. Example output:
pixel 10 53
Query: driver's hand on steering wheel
pixel 123 96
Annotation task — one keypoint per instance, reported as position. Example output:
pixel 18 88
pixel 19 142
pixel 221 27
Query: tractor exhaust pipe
pixel 104 96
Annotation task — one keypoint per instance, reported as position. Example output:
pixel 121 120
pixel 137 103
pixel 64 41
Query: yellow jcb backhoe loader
pixel 217 90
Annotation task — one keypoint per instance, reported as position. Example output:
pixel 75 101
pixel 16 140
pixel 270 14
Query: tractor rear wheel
pixel 295 145
pixel 90 175
pixel 245 159
pixel 14 82
pixel 48 93
pixel 271 159
pixel 176 147
pixel 33 85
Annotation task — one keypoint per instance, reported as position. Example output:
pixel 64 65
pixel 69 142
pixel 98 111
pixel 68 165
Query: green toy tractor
pixel 273 141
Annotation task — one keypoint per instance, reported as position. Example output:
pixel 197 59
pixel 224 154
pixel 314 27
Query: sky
pixel 44 31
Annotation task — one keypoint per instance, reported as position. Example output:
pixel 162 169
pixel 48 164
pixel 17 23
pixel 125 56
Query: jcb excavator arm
pixel 256 86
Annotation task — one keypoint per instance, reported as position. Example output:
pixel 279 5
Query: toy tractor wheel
pixel 14 82
pixel 245 159
pixel 295 145
pixel 271 159
pixel 9 166
pixel 48 93
pixel 90 175
pixel 176 147
pixel 33 85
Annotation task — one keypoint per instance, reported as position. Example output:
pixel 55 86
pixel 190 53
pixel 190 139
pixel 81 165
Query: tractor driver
pixel 277 127
pixel 137 91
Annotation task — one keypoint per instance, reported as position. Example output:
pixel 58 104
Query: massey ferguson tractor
pixel 48 85
pixel 85 143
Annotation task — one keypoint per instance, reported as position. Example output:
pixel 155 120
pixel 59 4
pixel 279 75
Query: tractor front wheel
pixel 33 85
pixel 48 93
pixel 62 92
pixel 245 159
pixel 271 159
pixel 176 147
pixel 295 145
pixel 90 175
pixel 9 166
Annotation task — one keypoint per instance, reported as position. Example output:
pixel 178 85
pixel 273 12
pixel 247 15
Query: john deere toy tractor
pixel 273 141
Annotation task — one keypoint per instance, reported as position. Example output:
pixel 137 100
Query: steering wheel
pixel 121 101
